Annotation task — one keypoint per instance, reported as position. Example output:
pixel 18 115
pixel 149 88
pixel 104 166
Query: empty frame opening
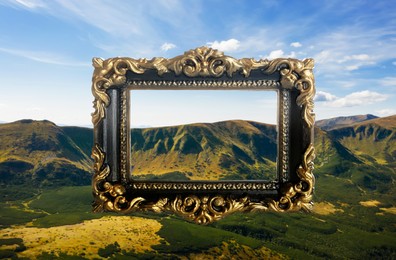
pixel 203 135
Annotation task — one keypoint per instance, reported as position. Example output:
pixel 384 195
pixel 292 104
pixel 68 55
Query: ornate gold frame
pixel 202 68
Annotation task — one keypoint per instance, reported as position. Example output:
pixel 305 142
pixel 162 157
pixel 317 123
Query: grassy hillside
pixel 373 141
pixel 331 156
pixel 353 217
pixel 81 136
pixel 219 151
pixel 42 153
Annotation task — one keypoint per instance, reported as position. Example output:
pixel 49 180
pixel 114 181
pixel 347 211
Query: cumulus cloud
pixel 386 112
pixel 364 97
pixel 324 96
pixel 228 45
pixel 359 98
pixel 275 54
pixel 356 61
pixel 295 44
pixel 167 46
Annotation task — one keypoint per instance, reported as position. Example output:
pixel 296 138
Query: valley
pixel 354 214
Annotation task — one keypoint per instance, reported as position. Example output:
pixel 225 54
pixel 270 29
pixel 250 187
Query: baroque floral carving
pixel 203 62
pixel 108 196
pixel 202 209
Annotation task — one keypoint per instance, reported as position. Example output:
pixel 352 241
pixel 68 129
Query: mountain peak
pixel 341 121
pixel 31 121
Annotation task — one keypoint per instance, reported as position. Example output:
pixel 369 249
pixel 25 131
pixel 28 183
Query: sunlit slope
pixel 39 152
pixel 81 136
pixel 331 156
pixel 373 141
pixel 363 153
pixel 224 150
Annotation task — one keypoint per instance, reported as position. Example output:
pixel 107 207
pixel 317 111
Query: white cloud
pixel 167 46
pixel 364 97
pixel 386 112
pixel 359 98
pixel 346 83
pixel 394 63
pixel 44 57
pixel 354 46
pixel 324 96
pixel 388 81
pixel 356 61
pixel 228 45
pixel 275 54
pixel 352 67
pixel 359 57
pixel 296 44
pixel 27 4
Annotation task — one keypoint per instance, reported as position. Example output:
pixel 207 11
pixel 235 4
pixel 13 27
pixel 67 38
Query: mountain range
pixel 229 150
pixel 46 213
pixel 45 154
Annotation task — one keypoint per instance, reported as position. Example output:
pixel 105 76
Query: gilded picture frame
pixel 203 202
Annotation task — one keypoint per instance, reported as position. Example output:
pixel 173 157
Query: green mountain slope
pixel 81 136
pixel 373 141
pixel 40 152
pixel 223 150
pixel 331 156
pixel 353 217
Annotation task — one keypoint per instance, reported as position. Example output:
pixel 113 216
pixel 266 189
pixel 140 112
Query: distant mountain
pixel 336 122
pixel 41 153
pixel 224 150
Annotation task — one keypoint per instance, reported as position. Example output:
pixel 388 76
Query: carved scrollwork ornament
pixel 109 197
pixel 203 209
pixel 204 62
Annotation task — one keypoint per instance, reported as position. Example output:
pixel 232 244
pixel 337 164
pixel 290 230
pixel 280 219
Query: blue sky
pixel 46 49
